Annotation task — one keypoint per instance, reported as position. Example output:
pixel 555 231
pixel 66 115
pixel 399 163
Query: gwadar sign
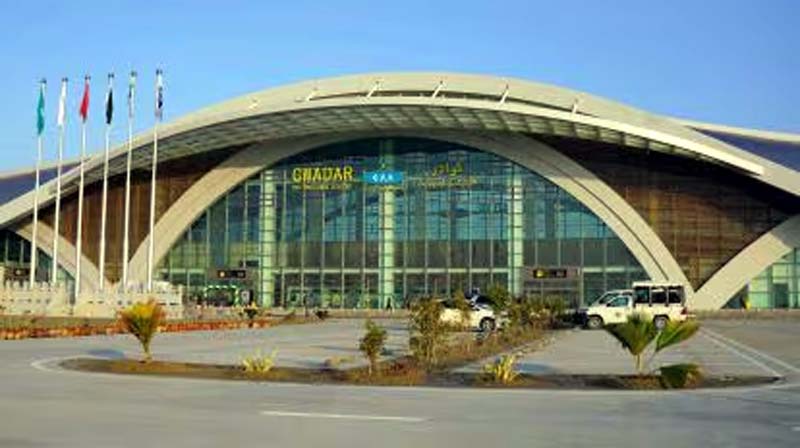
pixel 323 177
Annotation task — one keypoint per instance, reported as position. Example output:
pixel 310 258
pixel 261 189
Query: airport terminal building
pixel 367 191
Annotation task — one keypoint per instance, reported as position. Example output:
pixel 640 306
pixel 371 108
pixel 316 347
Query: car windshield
pixel 605 298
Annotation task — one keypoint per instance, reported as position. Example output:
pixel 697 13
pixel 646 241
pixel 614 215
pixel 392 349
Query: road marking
pixel 41 364
pixel 343 416
pixel 766 356
pixel 741 354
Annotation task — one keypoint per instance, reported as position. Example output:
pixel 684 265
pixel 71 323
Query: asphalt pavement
pixel 41 405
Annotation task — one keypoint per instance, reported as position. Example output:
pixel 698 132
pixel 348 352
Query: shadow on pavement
pixel 107 353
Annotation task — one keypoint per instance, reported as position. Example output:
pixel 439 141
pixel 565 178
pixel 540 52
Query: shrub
pixel 679 376
pixel 503 370
pixel 335 361
pixel 635 335
pixel 499 297
pixel 258 363
pixel 427 331
pixel 142 321
pixel 638 332
pixel 522 314
pixel 372 344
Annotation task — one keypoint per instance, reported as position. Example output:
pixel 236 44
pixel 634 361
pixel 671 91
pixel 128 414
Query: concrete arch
pixel 391 101
pixel 641 240
pixel 66 254
pixel 748 263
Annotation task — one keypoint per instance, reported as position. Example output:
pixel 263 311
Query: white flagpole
pixel 32 279
pixel 151 237
pixel 79 233
pixel 57 218
pixel 125 241
pixel 104 205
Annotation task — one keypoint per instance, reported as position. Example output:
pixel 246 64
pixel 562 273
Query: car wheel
pixel 594 322
pixel 486 325
pixel 660 322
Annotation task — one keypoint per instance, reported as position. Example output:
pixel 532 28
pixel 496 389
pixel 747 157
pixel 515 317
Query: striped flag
pixel 110 99
pixel 62 104
pixel 40 109
pixel 131 94
pixel 84 109
pixel 159 95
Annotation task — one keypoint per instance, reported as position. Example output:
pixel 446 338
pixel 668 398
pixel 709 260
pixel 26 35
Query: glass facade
pixel 372 223
pixel 774 287
pixel 15 258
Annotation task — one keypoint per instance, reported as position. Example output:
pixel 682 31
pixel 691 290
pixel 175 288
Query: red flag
pixel 84 110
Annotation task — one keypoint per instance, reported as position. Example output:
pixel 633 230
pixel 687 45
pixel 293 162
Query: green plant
pixel 635 335
pixel 259 363
pixel 372 344
pixel 499 296
pixel 142 321
pixel 522 314
pixel 678 376
pixel 639 332
pixel 503 370
pixel 427 331
pixel 335 362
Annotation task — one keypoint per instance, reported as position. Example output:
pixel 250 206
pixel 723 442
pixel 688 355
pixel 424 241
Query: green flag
pixel 40 111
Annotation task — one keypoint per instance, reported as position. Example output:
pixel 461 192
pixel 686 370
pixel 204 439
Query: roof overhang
pixel 403 101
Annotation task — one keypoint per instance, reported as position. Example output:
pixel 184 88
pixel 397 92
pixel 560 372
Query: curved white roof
pixel 402 101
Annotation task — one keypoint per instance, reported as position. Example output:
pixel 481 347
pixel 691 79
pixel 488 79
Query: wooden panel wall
pixel 174 178
pixel 704 214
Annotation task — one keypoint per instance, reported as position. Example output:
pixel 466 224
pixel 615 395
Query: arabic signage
pixel 447 175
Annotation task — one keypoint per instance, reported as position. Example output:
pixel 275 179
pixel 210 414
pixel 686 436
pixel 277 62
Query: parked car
pixel 661 302
pixel 481 317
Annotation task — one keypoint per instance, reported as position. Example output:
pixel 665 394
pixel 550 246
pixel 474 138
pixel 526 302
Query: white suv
pixel 660 301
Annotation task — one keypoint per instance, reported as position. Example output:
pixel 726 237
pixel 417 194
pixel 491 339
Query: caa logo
pixel 383 177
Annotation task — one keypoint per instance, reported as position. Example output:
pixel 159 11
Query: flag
pixel 131 93
pixel 110 99
pixel 40 109
pixel 62 104
pixel 159 95
pixel 84 110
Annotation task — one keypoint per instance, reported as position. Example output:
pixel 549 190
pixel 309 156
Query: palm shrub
pixel 258 363
pixel 634 336
pixel 499 296
pixel 639 332
pixel 372 343
pixel 142 321
pixel 427 330
pixel 503 370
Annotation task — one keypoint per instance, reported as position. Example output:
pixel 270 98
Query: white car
pixel 661 302
pixel 481 317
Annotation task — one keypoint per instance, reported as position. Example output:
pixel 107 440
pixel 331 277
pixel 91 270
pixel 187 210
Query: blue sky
pixel 730 62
